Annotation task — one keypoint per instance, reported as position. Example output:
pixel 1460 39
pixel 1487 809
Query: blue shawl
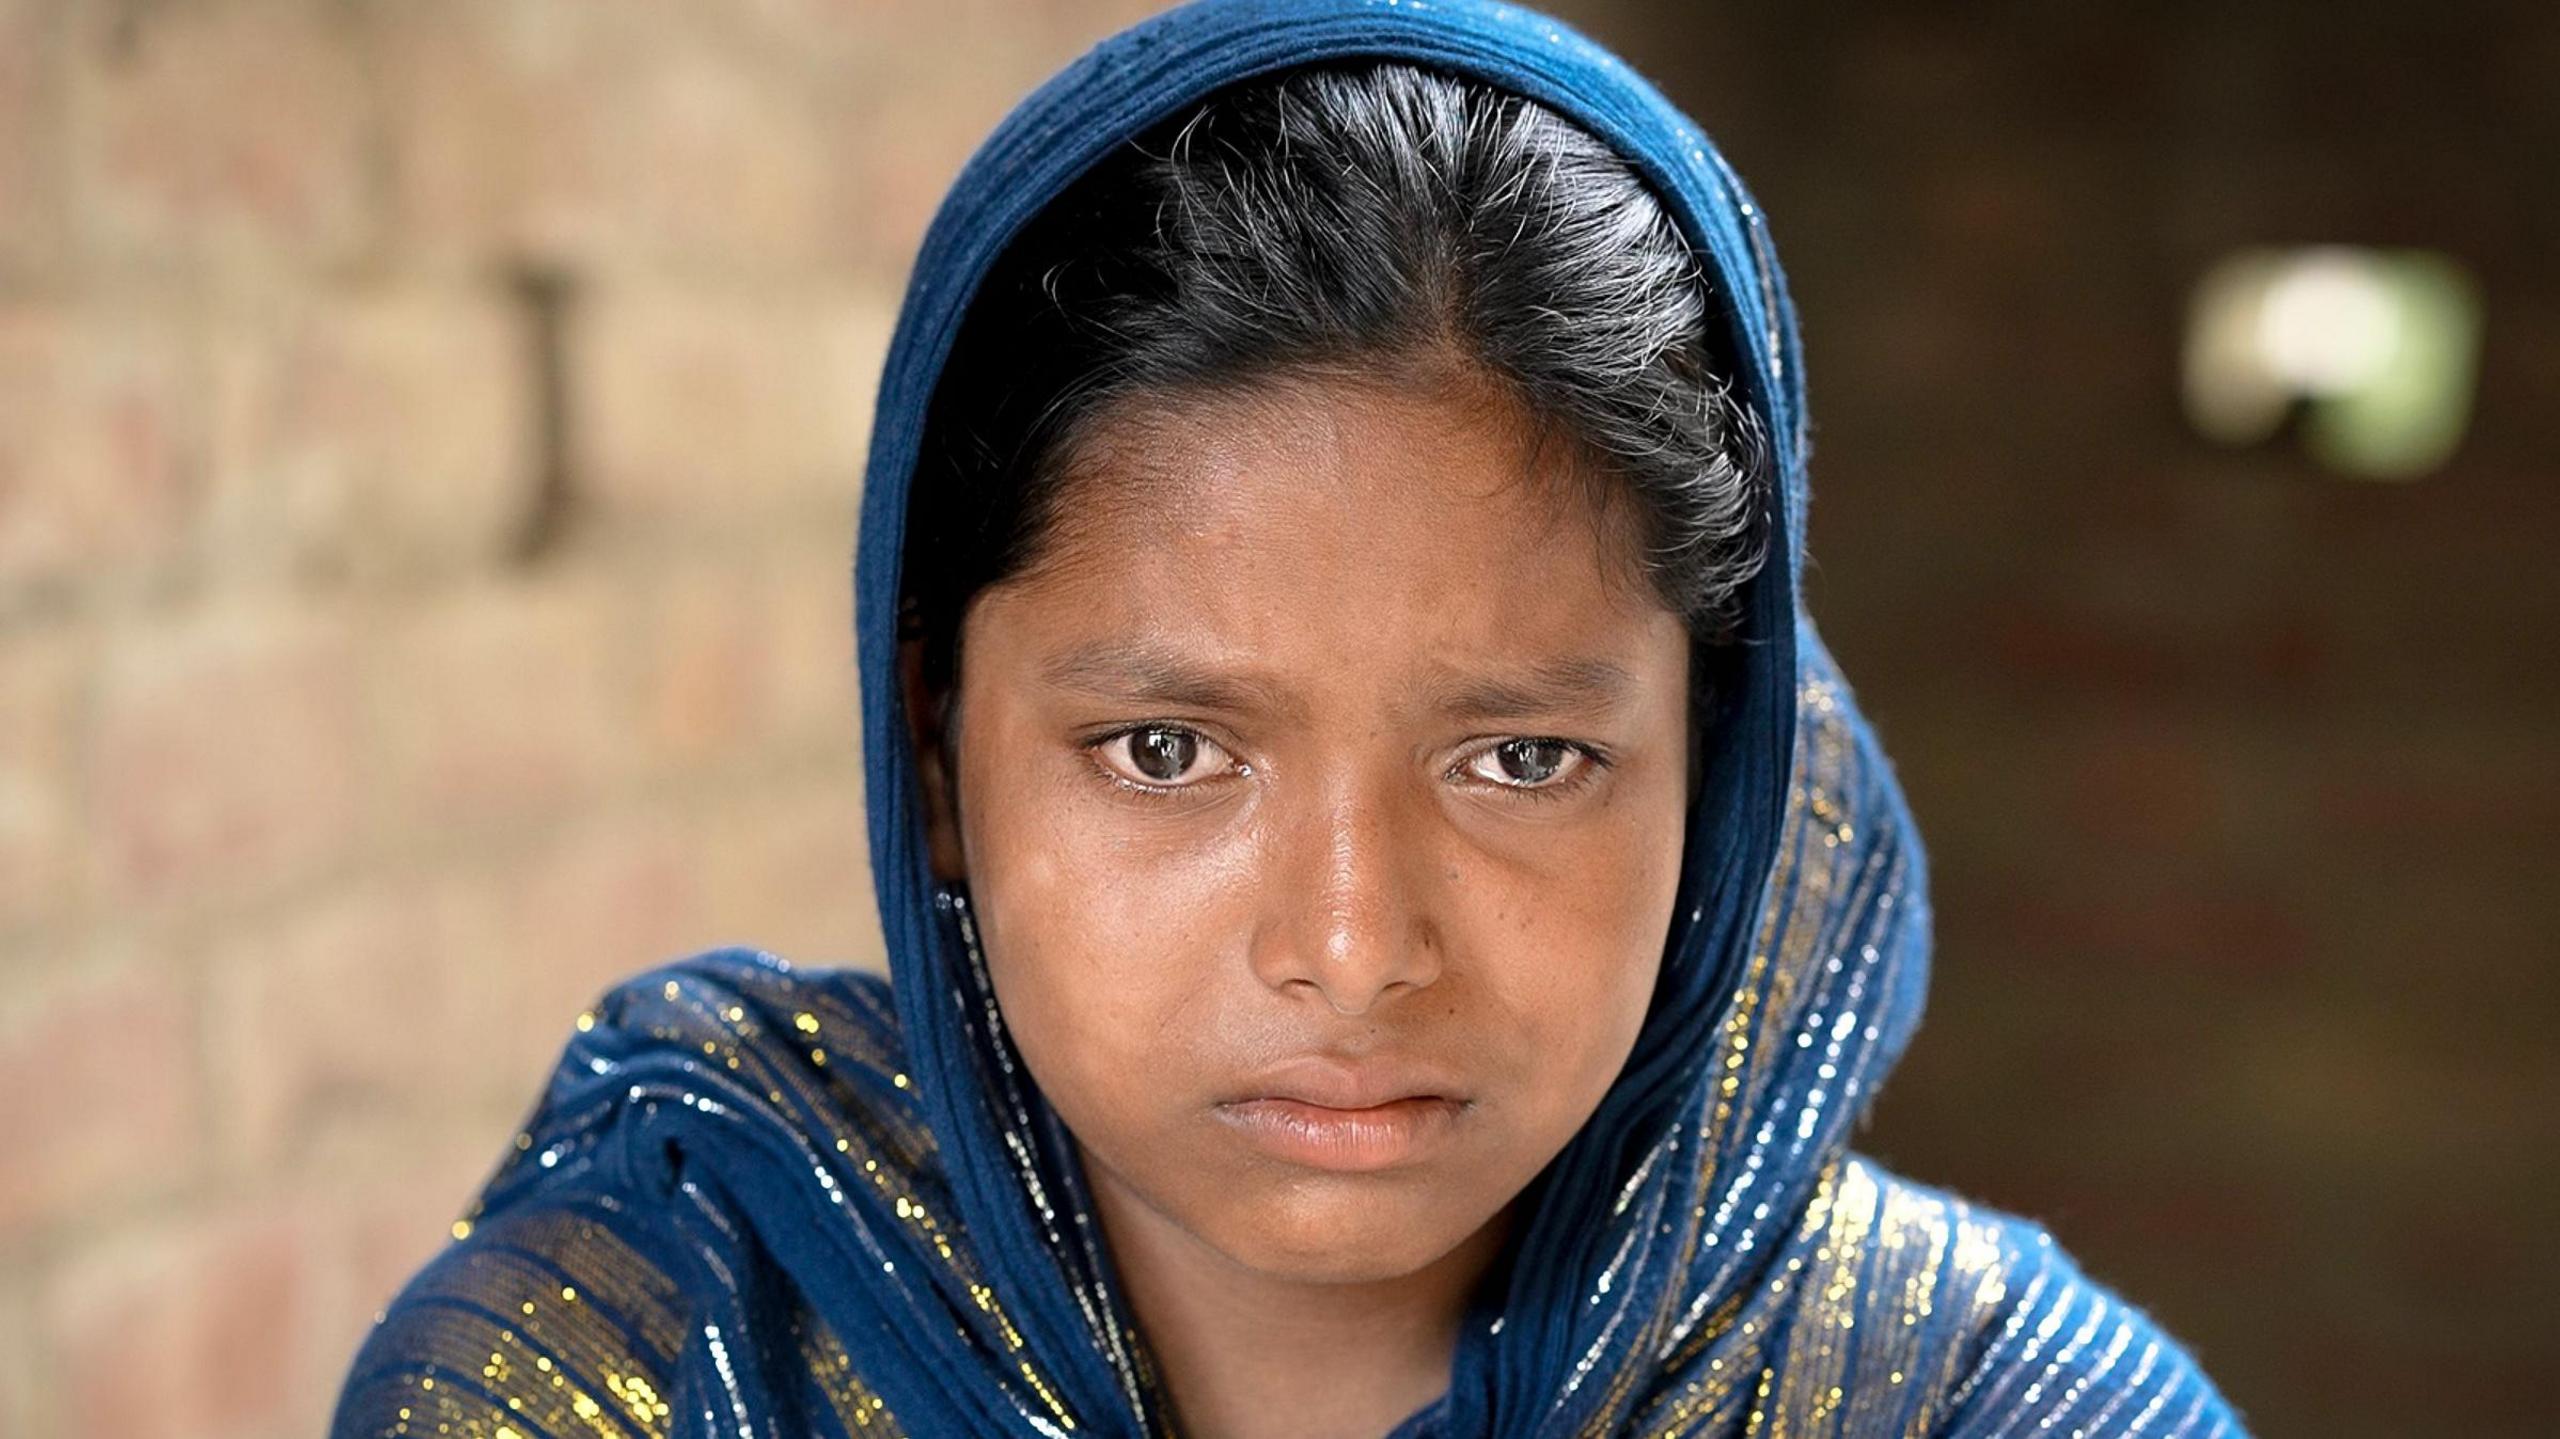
pixel 764 1201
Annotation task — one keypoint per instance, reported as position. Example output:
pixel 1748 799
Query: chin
pixel 1330 1234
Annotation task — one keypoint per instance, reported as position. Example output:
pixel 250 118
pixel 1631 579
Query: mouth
pixel 1349 1141
pixel 1348 1117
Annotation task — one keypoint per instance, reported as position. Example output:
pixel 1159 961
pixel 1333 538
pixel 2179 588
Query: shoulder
pixel 751 998
pixel 2031 1335
pixel 572 1296
pixel 798 1052
pixel 552 1316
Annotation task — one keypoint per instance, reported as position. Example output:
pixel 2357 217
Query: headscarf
pixel 763 1201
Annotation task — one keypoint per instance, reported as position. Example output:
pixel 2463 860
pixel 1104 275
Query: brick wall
pixel 429 442
pixel 429 437
pixel 2241 781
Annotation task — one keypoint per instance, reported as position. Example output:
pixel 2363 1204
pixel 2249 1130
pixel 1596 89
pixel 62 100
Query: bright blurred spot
pixel 2374 350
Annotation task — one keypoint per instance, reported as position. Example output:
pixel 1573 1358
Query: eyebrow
pixel 1135 669
pixel 1548 687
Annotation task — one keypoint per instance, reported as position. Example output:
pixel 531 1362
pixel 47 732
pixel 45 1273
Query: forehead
pixel 1326 516
pixel 1416 468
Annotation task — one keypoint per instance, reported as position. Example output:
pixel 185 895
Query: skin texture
pixel 1308 580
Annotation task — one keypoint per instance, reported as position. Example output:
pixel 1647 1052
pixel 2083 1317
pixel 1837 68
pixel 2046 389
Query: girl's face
pixel 1321 796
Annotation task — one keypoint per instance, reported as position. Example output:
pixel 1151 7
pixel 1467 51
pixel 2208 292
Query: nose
pixel 1347 913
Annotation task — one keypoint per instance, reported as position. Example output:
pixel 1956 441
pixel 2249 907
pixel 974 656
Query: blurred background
pixel 430 436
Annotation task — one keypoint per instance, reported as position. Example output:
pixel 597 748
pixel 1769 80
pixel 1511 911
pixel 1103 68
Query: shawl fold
pixel 756 1200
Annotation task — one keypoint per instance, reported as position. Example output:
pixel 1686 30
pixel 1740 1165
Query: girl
pixel 1391 913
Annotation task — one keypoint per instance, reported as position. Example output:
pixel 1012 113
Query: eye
pixel 1532 763
pixel 1159 756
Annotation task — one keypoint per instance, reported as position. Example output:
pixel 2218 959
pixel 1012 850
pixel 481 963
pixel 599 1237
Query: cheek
pixel 1572 956
pixel 1566 936
pixel 1095 953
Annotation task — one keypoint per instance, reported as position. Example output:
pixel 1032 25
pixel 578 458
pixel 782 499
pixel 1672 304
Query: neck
pixel 1245 1354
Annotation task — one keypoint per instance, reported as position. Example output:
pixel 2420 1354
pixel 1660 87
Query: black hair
pixel 1349 220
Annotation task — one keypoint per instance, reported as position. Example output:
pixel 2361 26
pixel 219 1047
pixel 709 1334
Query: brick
pixel 2240 935
pixel 100 445
pixel 784 870
pixel 2461 789
pixel 369 1202
pixel 501 703
pixel 619 893
pixel 373 1203
pixel 43 674
pixel 240 1319
pixel 2137 647
pixel 400 1210
pixel 941 112
pixel 709 662
pixel 620 133
pixel 225 760
pixel 809 615
pixel 98 1099
pixel 21 1400
pixel 358 1005
pixel 714 408
pixel 30 203
pixel 381 431
pixel 235 133
pixel 2136 786
pixel 662 134
pixel 198 1328
pixel 749 654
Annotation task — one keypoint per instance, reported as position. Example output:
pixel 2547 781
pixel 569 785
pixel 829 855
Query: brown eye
pixel 1159 756
pixel 1162 755
pixel 1525 763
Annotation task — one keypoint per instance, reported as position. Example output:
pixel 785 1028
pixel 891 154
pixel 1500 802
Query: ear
pixel 936 766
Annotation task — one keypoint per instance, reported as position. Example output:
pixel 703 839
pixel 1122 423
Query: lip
pixel 1337 1083
pixel 1351 1116
pixel 1350 1141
